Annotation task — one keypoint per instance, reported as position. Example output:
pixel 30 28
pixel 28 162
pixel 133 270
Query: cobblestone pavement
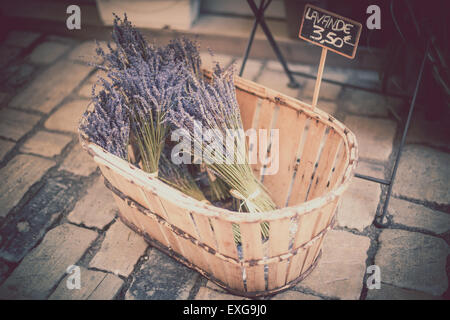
pixel 55 211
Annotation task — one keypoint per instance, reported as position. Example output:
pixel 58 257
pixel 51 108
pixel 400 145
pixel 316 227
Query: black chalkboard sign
pixel 330 31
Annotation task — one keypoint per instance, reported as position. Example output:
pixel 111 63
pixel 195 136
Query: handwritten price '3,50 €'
pixel 330 38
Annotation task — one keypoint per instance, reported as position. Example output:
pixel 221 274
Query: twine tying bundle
pixel 245 201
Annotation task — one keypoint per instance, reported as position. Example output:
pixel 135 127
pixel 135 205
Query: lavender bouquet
pixel 108 124
pixel 142 84
pixel 207 113
pixel 149 79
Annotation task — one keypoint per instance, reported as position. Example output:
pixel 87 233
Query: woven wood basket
pixel 318 155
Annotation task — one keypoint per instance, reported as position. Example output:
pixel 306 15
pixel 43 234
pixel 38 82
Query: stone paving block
pixel 413 260
pixel 251 70
pixel 423 174
pixel 95 285
pixel 47 52
pixel 328 106
pixel 161 278
pixel 120 250
pixel 277 80
pixel 340 271
pixel 96 75
pixel 359 204
pixel 18 176
pixel 294 67
pixel 21 38
pixel 15 124
pixel 328 91
pixel 209 61
pixel 208 294
pixel 336 74
pixel 68 116
pixel 86 90
pixel 46 144
pixel 331 73
pixel 433 133
pixel 388 292
pixel 51 87
pixel 5 147
pixel 418 216
pixel 365 78
pixel 96 209
pixel 16 75
pixel 375 136
pixel 294 295
pixel 79 162
pixel 370 169
pixel 62 39
pixel 22 231
pixel 42 268
pixel 367 103
pixel 85 52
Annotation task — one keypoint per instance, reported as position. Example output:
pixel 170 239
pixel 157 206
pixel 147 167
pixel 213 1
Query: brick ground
pixel 55 212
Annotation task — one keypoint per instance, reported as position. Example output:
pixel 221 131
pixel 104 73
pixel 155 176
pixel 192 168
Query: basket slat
pixel 126 211
pixel 295 265
pixel 322 221
pixel 324 167
pixel 310 254
pixel 308 158
pixel 278 270
pixel 206 236
pixel 264 121
pixel 204 229
pixel 145 224
pixel 340 164
pixel 121 182
pixel 179 216
pixel 194 256
pixel 226 245
pixel 156 205
pixel 327 216
pixel 224 237
pixel 326 220
pixel 253 250
pixel 291 123
pixel 248 103
pixel 310 251
pixel 170 238
pixel 173 241
pixel 305 228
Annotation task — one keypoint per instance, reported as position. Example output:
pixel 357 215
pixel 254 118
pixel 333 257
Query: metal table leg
pixel 259 19
pixel 380 222
pixel 260 12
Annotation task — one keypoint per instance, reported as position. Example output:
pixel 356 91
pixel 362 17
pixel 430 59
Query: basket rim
pixel 161 189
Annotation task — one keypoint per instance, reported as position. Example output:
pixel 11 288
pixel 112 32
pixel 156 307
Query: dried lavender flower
pixel 108 124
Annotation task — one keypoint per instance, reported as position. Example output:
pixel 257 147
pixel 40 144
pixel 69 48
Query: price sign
pixel 330 31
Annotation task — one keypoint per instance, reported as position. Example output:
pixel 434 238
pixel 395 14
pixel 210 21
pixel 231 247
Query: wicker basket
pixel 199 235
